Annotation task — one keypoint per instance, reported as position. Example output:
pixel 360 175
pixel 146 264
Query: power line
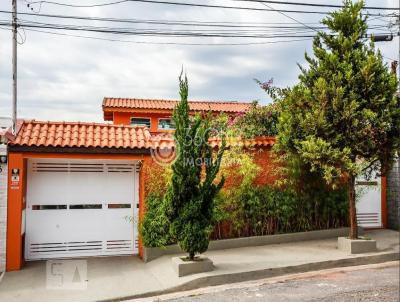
pixel 252 1
pixel 210 28
pixel 212 6
pixel 215 25
pixel 148 32
pixel 316 4
pixel 135 21
pixel 165 43
pixel 295 33
pixel 76 5
pixel 293 19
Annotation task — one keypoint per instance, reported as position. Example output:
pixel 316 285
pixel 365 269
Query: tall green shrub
pixel 190 197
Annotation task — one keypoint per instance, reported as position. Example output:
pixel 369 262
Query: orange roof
pixel 110 104
pixel 93 135
pixel 77 134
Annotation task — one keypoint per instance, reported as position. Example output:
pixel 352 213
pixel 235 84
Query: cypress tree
pixel 190 196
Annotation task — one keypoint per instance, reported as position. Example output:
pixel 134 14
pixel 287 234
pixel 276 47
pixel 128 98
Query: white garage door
pixel 78 208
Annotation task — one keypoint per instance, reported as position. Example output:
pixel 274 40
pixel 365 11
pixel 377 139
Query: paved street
pixel 380 283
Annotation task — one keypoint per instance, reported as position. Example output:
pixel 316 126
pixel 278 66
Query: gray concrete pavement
pixel 129 277
pixel 378 283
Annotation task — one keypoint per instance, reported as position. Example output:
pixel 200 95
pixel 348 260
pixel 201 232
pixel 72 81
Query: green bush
pixel 263 210
pixel 257 121
pixel 154 228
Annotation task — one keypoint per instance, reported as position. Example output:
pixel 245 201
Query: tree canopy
pixel 343 116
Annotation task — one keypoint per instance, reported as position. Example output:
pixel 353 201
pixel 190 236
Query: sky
pixel 66 78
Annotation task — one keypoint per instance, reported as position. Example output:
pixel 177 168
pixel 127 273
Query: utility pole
pixel 14 67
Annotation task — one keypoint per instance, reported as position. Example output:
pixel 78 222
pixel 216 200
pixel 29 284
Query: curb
pixel 215 280
pixel 151 253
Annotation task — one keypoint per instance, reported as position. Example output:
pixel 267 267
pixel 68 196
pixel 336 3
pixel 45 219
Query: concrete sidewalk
pixel 128 277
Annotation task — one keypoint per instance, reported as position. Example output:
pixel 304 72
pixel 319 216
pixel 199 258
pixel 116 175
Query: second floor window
pixel 135 121
pixel 166 124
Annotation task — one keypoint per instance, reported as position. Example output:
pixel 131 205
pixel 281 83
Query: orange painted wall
pixel 263 157
pixel 16 198
pixel 384 201
pixel 124 118
pixel 15 206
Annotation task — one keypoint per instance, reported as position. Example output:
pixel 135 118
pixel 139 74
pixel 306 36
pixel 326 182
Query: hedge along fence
pixel 250 204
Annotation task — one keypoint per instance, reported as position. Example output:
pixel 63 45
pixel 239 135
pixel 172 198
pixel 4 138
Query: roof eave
pixel 78 150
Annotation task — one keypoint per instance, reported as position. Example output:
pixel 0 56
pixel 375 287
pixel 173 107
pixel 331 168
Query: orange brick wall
pixel 264 157
pixel 152 172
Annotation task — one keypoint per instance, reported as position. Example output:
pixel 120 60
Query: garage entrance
pixel 79 208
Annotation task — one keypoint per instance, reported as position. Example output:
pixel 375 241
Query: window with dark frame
pixel 166 124
pixel 139 121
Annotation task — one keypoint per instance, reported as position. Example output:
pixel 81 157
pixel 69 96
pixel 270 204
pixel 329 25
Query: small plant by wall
pixel 154 228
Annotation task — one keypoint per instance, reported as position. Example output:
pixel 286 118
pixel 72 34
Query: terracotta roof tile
pixel 91 135
pixel 259 141
pixel 77 134
pixel 160 104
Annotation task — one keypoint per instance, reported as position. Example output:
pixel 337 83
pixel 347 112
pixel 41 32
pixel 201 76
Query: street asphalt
pixel 379 283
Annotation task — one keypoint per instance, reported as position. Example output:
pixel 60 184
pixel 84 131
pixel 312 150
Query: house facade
pixel 78 189
pixel 156 115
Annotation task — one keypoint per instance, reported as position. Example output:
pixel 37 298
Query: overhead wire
pixel 252 30
pixel 265 33
pixel 161 33
pixel 120 20
pixel 168 43
pixel 251 1
pixel 291 18
pixel 191 4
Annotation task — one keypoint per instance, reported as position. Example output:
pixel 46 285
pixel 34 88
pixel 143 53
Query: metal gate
pixel 78 208
pixel 369 202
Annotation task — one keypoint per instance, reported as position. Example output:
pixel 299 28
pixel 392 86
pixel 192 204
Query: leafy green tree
pixel 258 121
pixel 190 196
pixel 342 118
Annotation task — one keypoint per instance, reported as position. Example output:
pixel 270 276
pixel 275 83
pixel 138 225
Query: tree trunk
pixel 191 256
pixel 352 208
